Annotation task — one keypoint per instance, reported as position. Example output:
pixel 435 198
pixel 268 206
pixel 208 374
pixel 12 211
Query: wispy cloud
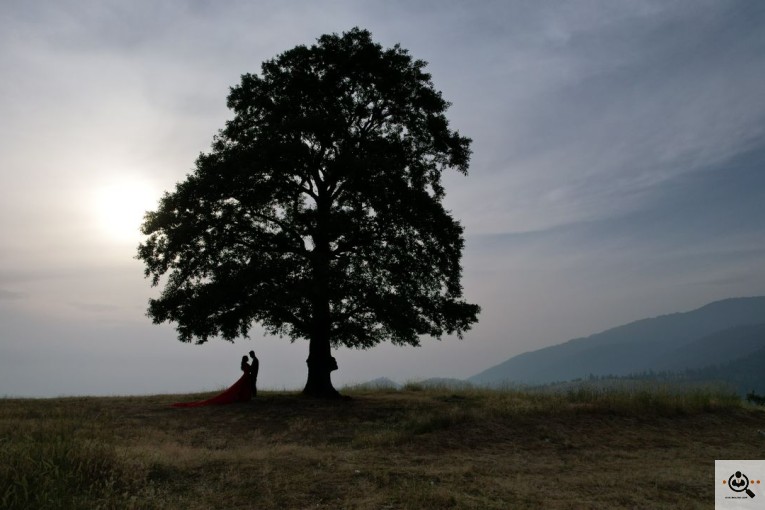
pixel 624 104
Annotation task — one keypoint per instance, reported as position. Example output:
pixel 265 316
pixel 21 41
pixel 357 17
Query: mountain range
pixel 722 338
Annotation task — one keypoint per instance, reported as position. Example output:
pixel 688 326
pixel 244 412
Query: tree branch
pixel 285 227
pixel 292 319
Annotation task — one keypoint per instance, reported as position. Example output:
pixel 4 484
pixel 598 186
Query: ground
pixel 412 449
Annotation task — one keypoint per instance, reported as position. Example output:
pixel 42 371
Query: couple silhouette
pixel 252 368
pixel 243 390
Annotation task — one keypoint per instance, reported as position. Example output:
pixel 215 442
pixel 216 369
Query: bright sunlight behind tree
pixel 318 213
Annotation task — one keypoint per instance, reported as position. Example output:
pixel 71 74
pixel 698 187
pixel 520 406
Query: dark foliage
pixel 318 213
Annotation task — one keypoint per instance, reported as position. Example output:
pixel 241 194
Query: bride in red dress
pixel 240 391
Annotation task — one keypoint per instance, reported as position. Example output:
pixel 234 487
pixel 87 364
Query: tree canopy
pixel 318 212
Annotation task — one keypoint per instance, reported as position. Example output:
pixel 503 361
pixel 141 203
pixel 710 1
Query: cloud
pixel 10 295
pixel 623 106
pixel 616 170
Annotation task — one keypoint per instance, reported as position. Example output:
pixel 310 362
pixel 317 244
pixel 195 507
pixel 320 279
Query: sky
pixel 618 172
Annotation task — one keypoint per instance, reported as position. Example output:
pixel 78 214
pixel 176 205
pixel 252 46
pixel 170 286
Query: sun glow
pixel 120 207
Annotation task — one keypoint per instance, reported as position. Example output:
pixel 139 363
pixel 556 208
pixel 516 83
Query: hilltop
pixel 432 448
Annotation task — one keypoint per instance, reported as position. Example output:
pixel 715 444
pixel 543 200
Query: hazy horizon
pixel 616 175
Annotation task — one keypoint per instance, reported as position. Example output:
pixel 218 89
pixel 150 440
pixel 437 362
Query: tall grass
pixel 629 398
pixel 652 397
pixel 59 459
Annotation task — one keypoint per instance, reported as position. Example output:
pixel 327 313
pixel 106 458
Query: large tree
pixel 318 212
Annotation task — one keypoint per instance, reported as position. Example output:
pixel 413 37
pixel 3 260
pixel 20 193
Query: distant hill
pixel 744 374
pixel 716 333
pixel 732 344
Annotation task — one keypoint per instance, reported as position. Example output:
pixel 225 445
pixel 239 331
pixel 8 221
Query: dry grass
pixel 380 450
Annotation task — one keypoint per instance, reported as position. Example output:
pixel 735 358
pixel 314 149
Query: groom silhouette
pixel 254 367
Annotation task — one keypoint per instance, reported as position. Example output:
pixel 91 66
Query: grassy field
pixel 410 449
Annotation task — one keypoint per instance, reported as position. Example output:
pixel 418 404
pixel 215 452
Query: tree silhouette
pixel 318 211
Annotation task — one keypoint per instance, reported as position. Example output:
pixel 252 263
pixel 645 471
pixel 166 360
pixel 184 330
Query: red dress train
pixel 240 391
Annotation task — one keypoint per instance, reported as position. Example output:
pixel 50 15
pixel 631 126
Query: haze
pixel 617 172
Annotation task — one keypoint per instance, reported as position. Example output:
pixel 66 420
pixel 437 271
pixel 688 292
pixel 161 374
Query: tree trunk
pixel 320 361
pixel 319 383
